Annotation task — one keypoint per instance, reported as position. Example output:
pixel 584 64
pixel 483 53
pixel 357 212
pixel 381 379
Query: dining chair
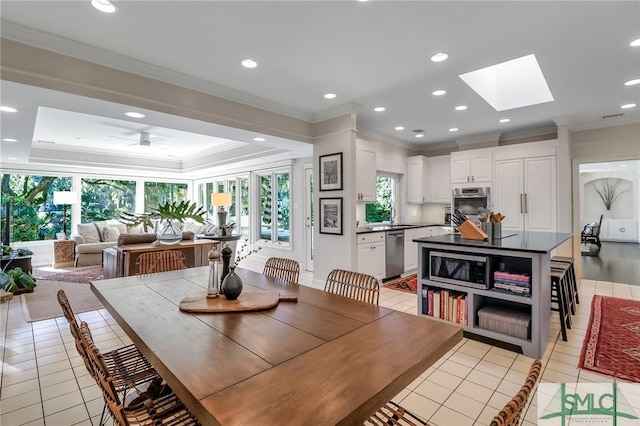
pixel 283 269
pixel 354 285
pixel 394 414
pixel 160 261
pixel 160 409
pixel 128 368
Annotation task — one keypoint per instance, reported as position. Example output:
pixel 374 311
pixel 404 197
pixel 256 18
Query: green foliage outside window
pixel 33 214
pixel 380 211
pixel 104 199
pixel 157 193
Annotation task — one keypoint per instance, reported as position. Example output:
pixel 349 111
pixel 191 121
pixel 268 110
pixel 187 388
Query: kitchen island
pixel 499 289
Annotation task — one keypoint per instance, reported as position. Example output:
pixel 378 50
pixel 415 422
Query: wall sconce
pixel 65 198
pixel 220 200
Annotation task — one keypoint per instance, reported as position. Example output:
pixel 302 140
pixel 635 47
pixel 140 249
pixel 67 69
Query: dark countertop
pixel 533 242
pixel 383 228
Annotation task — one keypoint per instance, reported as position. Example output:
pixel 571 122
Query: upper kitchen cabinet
pixel 440 179
pixel 472 166
pixel 429 179
pixel 365 175
pixel 417 179
pixel 525 192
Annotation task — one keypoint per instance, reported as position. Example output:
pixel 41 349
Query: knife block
pixel 471 231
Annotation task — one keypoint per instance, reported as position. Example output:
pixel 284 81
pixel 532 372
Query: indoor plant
pixel 16 281
pixel 166 213
pixel 228 228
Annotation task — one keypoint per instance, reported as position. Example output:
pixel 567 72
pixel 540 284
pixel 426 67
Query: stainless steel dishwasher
pixel 394 251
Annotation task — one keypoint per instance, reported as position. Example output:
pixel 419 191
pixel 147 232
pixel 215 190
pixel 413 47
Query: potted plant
pixel 228 228
pixel 17 281
pixel 166 213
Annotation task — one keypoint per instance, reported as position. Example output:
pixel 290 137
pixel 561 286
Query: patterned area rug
pixel 408 284
pixel 612 343
pixel 83 275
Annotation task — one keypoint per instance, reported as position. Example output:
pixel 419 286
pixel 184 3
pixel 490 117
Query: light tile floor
pixel 44 381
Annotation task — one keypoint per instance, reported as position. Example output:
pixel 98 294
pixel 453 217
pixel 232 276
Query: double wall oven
pixel 471 201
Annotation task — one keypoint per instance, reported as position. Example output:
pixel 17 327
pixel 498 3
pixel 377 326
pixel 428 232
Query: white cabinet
pixel 429 179
pixel 411 248
pixel 371 254
pixel 524 191
pixel 440 179
pixel 365 175
pixel 417 179
pixel 619 230
pixel 472 166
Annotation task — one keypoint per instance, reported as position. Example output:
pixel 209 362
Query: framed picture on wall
pixel 331 172
pixel 331 216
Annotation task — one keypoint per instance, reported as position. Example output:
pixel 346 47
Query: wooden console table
pixel 120 261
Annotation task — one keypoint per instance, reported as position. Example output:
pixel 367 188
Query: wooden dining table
pixel 321 360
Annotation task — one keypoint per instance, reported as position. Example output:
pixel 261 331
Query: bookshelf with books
pixel 512 306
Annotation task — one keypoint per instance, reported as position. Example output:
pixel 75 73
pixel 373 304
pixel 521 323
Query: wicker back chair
pixel 510 414
pixel 282 269
pixel 394 414
pixel 354 285
pixel 151 410
pixel 75 329
pixel 160 261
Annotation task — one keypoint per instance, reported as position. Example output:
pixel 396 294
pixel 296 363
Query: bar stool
pixel 559 297
pixel 572 274
pixel 571 296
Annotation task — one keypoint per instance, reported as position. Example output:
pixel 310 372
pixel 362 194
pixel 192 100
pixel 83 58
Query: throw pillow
pixel 110 233
pixel 89 232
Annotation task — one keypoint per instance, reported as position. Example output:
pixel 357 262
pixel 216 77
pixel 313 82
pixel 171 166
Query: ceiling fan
pixel 145 140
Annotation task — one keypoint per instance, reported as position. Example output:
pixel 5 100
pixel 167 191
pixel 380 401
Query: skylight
pixel 512 84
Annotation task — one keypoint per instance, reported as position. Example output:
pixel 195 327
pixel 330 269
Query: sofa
pixel 91 238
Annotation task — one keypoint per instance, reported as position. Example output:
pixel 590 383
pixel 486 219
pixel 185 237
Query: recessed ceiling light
pixel 81 139
pixel 511 84
pixel 504 120
pixel 419 135
pixel 11 158
pixel 399 128
pixel 439 92
pixel 453 129
pixel 632 82
pixel 104 6
pixel 134 114
pixel 249 63
pixel 7 109
pixel 627 106
pixel 635 43
pixel 461 107
pixel 439 57
pixel 623 165
pixel 379 109
pixel 330 95
pixel 259 139
pixel 10 140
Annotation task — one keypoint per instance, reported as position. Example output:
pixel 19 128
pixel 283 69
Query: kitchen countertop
pixel 533 242
pixel 383 228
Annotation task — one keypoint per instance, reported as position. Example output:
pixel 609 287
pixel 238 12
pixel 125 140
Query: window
pixel 239 188
pixel 275 203
pixel 33 216
pixel 106 198
pixel 156 193
pixel 381 210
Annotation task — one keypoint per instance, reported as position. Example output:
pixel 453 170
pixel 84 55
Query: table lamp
pixel 65 198
pixel 221 199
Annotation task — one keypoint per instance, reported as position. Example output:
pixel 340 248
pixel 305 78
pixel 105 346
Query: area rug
pixel 43 302
pixel 612 342
pixel 407 284
pixel 84 274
